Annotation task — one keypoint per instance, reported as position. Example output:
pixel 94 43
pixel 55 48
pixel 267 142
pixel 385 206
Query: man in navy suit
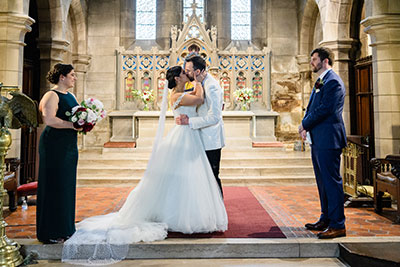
pixel 323 127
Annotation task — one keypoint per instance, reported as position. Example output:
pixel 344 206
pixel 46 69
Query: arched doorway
pixel 30 87
pixel 360 80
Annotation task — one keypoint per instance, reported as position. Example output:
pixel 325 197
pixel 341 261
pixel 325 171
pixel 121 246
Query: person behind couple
pixel 324 123
pixel 209 121
pixel 58 158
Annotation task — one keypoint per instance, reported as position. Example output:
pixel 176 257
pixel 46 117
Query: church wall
pixel 103 40
pixel 285 87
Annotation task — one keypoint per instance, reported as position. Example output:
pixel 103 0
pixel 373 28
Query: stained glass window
pixel 145 19
pixel 187 9
pixel 240 19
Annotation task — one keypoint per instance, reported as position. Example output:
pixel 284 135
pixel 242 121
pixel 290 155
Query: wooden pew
pixel 11 182
pixel 386 174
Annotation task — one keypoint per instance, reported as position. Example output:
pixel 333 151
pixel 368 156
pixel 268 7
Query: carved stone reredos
pixel 194 32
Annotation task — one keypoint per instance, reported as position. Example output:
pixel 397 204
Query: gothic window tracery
pixel 240 19
pixel 188 10
pixel 257 86
pixel 240 81
pixel 146 81
pixel 129 87
pixel 145 19
pixel 225 82
pixel 160 85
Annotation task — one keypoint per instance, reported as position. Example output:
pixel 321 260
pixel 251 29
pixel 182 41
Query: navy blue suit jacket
pixel 323 118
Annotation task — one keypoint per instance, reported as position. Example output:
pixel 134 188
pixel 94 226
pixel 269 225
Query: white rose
pixel 98 104
pixel 83 115
pixel 92 117
pixel 74 109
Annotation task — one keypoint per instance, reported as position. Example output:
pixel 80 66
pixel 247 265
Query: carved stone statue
pixel 18 111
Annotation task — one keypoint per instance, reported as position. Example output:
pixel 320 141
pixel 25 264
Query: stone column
pixel 218 13
pixel 305 80
pixel 341 49
pixel 128 23
pixel 169 12
pixel 383 26
pixel 81 64
pixel 259 23
pixel 14 24
pixel 51 53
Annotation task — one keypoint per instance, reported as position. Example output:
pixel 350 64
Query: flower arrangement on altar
pixel 87 114
pixel 244 96
pixel 147 97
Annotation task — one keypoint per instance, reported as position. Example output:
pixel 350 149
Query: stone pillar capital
pixel 340 47
pixel 304 63
pixel 383 29
pixel 81 62
pixel 52 49
pixel 14 26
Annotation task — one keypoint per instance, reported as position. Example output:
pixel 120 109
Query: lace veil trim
pixel 178 100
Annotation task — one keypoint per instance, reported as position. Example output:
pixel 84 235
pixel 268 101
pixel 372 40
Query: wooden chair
pixel 386 174
pixel 11 182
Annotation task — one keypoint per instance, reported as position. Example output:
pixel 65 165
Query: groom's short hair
pixel 198 63
pixel 323 53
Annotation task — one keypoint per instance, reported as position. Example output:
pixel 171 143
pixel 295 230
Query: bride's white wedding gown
pixel 178 193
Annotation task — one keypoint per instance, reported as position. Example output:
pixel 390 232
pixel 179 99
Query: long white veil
pixel 105 239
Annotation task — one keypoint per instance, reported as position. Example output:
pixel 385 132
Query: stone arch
pixel 51 17
pixel 307 27
pixel 204 48
pixel 77 9
pixel 336 15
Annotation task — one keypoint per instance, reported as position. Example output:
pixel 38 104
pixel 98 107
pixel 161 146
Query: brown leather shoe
pixel 319 226
pixel 331 233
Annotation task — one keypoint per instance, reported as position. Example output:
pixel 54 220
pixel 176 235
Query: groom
pixel 209 120
pixel 323 125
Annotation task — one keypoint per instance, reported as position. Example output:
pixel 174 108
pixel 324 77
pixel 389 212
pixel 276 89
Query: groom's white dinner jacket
pixel 210 120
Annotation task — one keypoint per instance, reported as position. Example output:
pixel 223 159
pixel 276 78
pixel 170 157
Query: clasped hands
pixel 302 132
pixel 182 120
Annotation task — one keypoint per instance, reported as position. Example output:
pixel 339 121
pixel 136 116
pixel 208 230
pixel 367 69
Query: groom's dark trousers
pixel 214 157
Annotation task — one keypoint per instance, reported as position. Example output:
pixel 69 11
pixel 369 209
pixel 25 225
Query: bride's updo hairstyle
pixel 53 75
pixel 171 74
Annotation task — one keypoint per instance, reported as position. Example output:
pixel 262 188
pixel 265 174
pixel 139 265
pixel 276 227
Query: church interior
pixel 122 49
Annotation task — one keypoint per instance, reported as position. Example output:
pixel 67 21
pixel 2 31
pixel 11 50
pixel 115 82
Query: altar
pixel 242 128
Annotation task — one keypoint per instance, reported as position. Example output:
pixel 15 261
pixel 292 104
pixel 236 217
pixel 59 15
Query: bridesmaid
pixel 58 158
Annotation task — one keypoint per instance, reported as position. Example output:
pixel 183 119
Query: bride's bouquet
pixel 87 114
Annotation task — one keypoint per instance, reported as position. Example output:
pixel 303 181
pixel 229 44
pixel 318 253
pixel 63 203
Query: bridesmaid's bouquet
pixel 87 114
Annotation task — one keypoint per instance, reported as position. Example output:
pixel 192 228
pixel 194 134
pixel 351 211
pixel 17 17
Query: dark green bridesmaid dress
pixel 58 159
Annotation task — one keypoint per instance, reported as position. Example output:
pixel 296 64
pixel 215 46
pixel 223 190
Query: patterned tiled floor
pixel 290 206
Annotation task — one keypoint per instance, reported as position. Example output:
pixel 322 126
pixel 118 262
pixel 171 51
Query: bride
pixel 177 193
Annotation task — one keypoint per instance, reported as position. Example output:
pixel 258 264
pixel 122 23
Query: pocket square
pixel 317 91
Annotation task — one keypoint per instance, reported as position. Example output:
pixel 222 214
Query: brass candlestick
pixel 9 250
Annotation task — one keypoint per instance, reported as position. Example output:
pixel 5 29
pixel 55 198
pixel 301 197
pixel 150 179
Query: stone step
pixel 209 248
pixel 175 248
pixel 225 162
pixel 121 153
pixel 224 171
pixel 147 143
pixel 84 181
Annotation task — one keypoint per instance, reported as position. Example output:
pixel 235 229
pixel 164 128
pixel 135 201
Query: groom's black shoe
pixel 318 226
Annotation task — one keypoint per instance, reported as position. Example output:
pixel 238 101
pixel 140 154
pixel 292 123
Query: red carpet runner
pixel 247 218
